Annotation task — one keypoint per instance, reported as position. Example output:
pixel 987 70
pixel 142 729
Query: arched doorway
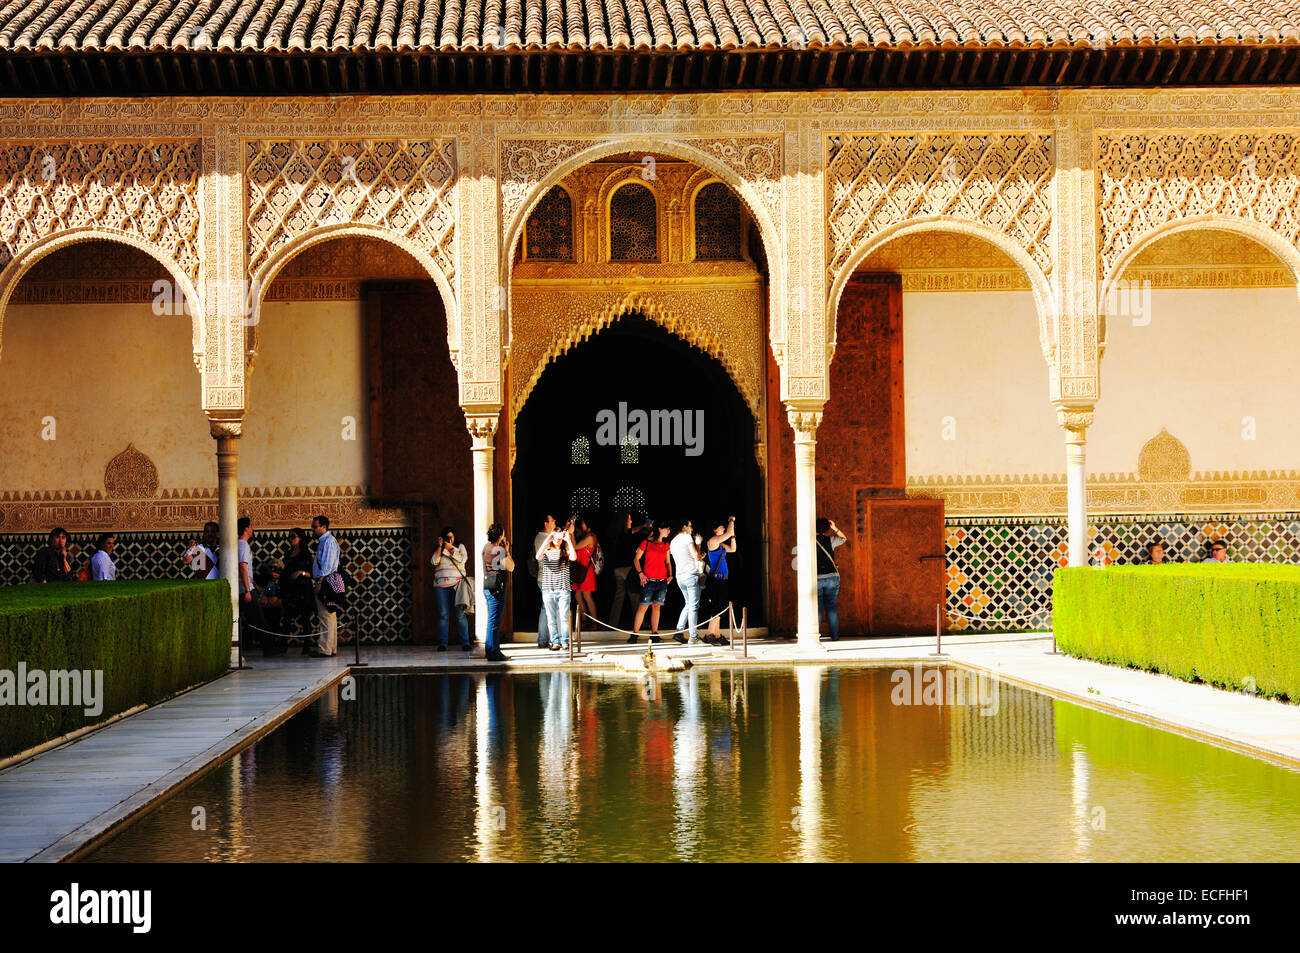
pixel 697 461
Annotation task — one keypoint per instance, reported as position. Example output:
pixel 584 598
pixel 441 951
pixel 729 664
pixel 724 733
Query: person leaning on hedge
pixel 52 561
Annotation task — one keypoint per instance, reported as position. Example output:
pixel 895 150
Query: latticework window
pixel 548 235
pixel 718 224
pixel 633 225
pixel 630 498
pixel 584 500
pixel 630 450
pixel 580 452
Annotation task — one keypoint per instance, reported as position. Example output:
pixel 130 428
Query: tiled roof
pixel 333 26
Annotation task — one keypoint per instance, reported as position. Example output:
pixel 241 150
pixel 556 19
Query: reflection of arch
pixel 21 263
pixel 1282 249
pixel 772 245
pixel 670 320
pixel 262 279
pixel 1037 280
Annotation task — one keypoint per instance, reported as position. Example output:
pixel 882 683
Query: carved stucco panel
pixel 1003 181
pixel 1149 179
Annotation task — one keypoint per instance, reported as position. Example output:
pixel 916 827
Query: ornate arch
pixel 30 254
pixel 1277 244
pixel 670 314
pixel 609 189
pixel 751 167
pixel 265 275
pixel 1038 281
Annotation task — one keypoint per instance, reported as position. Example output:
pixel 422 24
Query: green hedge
pixel 1225 625
pixel 150 640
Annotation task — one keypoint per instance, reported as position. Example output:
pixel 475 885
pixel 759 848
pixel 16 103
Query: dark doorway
pixel 641 366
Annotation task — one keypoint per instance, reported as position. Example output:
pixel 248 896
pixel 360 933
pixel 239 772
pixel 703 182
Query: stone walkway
pixel 54 803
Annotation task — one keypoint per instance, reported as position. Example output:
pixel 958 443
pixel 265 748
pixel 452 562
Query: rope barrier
pixel 698 625
pixel 970 618
pixel 285 635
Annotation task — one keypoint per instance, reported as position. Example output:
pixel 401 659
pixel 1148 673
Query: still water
pixel 810 763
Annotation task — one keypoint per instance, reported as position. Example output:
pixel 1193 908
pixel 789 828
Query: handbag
pixel 597 560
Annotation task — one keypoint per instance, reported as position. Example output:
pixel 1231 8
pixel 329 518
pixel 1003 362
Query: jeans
pixel 495 607
pixel 446 606
pixel 543 628
pixel 654 592
pixel 828 592
pixel 556 604
pixel 690 587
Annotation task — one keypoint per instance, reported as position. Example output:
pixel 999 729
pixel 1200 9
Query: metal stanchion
pixel 578 648
pixel 938 630
pixel 572 635
pixel 744 632
pixel 356 642
pixel 731 627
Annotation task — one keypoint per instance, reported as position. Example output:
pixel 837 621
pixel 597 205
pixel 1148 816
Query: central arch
pixel 566 460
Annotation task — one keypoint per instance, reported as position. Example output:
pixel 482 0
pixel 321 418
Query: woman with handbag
pixel 448 574
pixel 497 561
pixel 585 568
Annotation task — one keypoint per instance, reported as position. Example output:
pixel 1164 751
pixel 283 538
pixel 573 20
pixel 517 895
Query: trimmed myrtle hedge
pixel 1235 625
pixel 150 640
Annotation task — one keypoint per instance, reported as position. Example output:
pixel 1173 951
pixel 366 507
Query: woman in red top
pixel 651 562
pixel 585 546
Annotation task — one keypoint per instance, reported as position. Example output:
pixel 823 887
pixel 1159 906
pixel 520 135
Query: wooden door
pixel 903 548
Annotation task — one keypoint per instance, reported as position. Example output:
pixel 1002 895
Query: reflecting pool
pixel 715 764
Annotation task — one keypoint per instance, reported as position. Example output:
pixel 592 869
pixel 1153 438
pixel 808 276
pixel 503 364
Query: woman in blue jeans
pixel 497 561
pixel 553 558
pixel 448 570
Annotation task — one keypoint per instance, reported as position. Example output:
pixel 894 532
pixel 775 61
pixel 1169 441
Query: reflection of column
pixel 227 432
pixel 488 815
pixel 809 818
pixel 482 430
pixel 1076 423
pixel 805 423
pixel 688 763
pixel 1079 794
pixel 557 732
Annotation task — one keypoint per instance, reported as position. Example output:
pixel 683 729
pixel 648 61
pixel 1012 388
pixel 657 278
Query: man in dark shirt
pixel 625 538
pixel 52 561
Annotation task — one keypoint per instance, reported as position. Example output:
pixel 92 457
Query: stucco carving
pixel 1149 179
pixel 1001 181
pixel 131 475
pixel 148 189
pixel 402 185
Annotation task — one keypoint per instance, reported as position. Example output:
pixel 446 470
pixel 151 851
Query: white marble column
pixel 227 432
pixel 482 431
pixel 805 423
pixel 1076 424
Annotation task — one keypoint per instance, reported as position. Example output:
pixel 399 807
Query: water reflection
pixel 808 764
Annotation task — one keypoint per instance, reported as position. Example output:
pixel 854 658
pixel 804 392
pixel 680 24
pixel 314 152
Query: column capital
pixel 804 418
pixel 221 427
pixel 482 429
pixel 1074 419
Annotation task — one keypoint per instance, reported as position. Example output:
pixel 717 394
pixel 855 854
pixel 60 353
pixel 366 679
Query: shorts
pixel 654 592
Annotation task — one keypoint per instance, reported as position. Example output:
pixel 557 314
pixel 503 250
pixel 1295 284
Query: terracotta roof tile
pixel 356 25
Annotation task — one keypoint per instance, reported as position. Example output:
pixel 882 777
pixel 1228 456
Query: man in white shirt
pixel 201 558
pixel 686 564
pixel 102 568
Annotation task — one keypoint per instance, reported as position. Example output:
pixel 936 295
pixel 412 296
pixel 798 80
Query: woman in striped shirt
pixel 448 570
pixel 553 558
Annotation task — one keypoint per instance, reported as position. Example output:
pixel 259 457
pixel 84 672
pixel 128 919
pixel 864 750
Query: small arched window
pixel 584 500
pixel 548 235
pixel 633 225
pixel 580 452
pixel 719 224
pixel 630 450
pixel 630 498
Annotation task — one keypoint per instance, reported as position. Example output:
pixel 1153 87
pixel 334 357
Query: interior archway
pixel 708 471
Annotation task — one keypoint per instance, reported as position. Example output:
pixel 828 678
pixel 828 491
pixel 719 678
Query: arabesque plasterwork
pixel 1074 178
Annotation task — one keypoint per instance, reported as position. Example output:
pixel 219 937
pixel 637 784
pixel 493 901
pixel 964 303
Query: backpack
pixel 597 560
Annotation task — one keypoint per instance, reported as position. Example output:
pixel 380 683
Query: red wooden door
pixel 906 569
